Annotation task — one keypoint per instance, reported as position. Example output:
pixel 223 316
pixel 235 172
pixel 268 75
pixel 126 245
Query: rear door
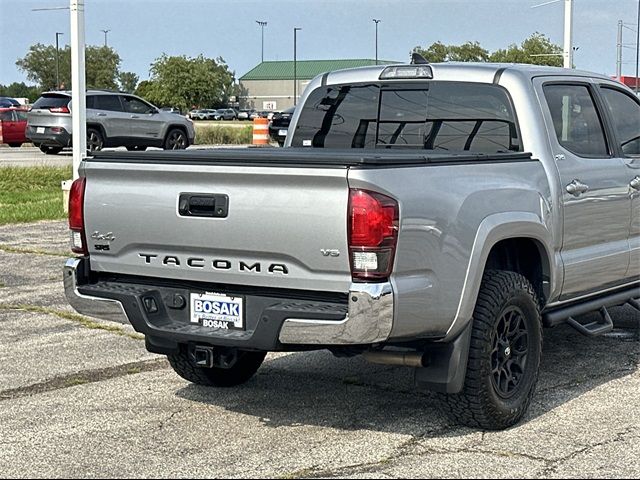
pixel 595 183
pixel 8 127
pixel 110 114
pixel 624 111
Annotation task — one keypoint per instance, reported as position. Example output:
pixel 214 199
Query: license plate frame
pixel 217 311
pixel 282 132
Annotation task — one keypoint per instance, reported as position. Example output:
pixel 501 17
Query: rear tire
pixel 95 140
pixel 15 145
pixel 504 356
pixel 176 139
pixel 246 366
pixel 50 150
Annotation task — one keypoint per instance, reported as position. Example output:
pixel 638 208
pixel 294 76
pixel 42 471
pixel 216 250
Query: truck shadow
pixel 315 388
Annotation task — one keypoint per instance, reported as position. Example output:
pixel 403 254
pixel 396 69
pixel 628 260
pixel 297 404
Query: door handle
pixel 635 183
pixel 576 188
pixel 102 114
pixel 135 116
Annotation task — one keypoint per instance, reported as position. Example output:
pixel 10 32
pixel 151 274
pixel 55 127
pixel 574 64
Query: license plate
pixel 282 133
pixel 40 130
pixel 218 311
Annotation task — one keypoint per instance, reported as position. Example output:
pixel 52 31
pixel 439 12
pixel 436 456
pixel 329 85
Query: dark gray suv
pixel 113 120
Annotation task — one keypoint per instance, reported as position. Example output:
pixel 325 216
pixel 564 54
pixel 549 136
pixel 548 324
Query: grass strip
pixel 32 251
pixel 31 194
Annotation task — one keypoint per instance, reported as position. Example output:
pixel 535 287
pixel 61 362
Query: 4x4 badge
pixel 109 237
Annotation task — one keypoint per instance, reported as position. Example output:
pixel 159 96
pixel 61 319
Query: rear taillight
pixel 373 234
pixel 59 110
pixel 76 216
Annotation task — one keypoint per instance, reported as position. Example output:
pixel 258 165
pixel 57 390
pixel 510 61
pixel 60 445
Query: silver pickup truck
pixel 431 216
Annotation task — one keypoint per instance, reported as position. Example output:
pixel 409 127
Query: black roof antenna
pixel 417 59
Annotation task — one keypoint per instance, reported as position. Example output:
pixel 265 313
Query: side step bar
pixel 566 314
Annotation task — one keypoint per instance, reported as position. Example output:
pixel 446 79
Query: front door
pixel 595 185
pixel 145 122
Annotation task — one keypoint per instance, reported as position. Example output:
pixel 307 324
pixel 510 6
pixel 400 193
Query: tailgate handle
pixel 203 205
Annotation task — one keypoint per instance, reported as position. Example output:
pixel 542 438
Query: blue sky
pixel 141 30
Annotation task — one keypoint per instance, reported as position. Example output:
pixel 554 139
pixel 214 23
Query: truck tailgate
pixel 278 222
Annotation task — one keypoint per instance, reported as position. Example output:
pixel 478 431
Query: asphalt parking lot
pixel 82 398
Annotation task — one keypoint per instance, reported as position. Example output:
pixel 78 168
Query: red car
pixel 13 124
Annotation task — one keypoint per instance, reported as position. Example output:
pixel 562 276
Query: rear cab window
pixel 439 116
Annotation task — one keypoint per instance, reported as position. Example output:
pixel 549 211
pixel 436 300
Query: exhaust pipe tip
pixel 401 359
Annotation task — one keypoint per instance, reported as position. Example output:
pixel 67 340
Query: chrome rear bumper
pixel 369 317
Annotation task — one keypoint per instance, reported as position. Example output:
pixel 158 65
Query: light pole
pixel 105 36
pixel 295 73
pixel 376 21
pixel 568 30
pixel 262 25
pixel 57 61
pixel 637 46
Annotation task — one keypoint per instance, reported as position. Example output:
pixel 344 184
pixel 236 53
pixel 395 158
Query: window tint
pixel 52 101
pixel 108 102
pixel 91 101
pixel 338 117
pixel 576 120
pixel 21 115
pixel 133 105
pixel 625 112
pixel 6 116
pixel 449 116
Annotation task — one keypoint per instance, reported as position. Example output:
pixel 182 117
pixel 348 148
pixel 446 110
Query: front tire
pixel 244 368
pixel 504 356
pixel 176 139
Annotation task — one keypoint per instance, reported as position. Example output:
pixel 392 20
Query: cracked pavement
pixel 80 400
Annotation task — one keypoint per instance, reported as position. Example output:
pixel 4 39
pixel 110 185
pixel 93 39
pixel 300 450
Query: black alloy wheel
pixel 176 140
pixel 95 142
pixel 509 352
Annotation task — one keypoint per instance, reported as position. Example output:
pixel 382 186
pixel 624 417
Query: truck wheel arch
pixel 496 237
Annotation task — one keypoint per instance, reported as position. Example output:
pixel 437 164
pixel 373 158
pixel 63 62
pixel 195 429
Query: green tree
pixel 128 81
pixel 39 64
pixel 537 49
pixel 20 90
pixel 185 82
pixel 467 52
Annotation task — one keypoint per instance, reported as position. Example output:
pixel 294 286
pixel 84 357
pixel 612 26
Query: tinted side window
pixel 338 117
pixel 625 112
pixel 576 121
pixel 6 116
pixel 21 115
pixel 91 101
pixel 108 102
pixel 133 105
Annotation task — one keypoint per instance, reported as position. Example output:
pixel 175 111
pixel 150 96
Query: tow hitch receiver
pixel 212 357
